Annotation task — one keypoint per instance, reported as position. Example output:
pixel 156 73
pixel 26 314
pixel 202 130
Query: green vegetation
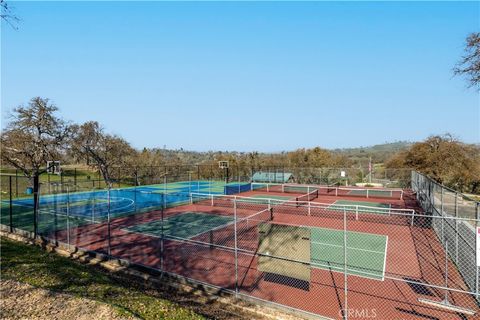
pixel 29 264
pixel 444 159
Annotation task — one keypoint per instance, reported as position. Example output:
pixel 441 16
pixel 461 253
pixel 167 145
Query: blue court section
pixel 98 203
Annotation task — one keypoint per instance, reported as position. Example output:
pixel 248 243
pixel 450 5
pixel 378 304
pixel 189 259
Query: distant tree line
pixel 36 134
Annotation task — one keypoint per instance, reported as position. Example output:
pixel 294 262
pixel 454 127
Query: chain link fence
pixel 457 217
pixel 405 258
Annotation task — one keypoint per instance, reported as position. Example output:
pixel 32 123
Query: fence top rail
pixel 446 188
pixel 305 203
pixel 334 207
pixel 320 186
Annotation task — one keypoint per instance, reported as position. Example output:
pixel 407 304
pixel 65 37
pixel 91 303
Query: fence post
pixel 68 217
pixel 108 223
pixel 16 183
pixel 236 244
pixel 477 217
pixel 165 191
pixel 36 187
pixel 11 203
pixel 345 270
pixel 162 248
pixel 456 228
pixel 93 207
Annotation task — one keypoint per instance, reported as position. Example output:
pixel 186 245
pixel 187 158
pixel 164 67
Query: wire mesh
pixel 344 262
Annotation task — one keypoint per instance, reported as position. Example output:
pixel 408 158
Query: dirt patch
pixel 23 301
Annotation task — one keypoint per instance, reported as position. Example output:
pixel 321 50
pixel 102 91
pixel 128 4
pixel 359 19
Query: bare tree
pixel 7 15
pixel 445 159
pixel 34 136
pixel 469 66
pixel 89 141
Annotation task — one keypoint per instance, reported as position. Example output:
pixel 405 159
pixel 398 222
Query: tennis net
pixel 304 199
pixel 331 190
pixel 244 229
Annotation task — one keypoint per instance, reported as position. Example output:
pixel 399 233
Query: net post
pixel 336 191
pixel 401 194
pixel 356 212
pixel 211 198
pixel 309 208
pixel 413 217
pixel 368 192
pixel 236 243
pixel 10 209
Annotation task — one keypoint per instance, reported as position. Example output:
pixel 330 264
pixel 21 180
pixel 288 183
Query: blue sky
pixel 266 76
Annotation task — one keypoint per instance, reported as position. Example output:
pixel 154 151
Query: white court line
pixel 341 246
pixel 385 259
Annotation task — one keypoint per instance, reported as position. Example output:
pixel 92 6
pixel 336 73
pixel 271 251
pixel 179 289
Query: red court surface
pixel 414 262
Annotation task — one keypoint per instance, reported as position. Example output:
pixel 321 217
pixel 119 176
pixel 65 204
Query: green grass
pixel 29 264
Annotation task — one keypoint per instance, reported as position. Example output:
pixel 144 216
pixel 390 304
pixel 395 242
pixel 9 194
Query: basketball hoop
pixel 223 164
pixel 53 167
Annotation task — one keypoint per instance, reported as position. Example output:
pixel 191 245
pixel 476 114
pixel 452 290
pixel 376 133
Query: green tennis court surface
pixel 361 203
pixel 366 253
pixel 263 198
pixel 185 225
pixel 267 196
pixel 194 186
pixel 372 193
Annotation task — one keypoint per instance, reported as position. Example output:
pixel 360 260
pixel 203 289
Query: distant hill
pixel 379 152
pixel 359 155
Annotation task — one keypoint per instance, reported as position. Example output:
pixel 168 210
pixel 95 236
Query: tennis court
pixel 98 203
pixel 186 225
pixel 366 253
